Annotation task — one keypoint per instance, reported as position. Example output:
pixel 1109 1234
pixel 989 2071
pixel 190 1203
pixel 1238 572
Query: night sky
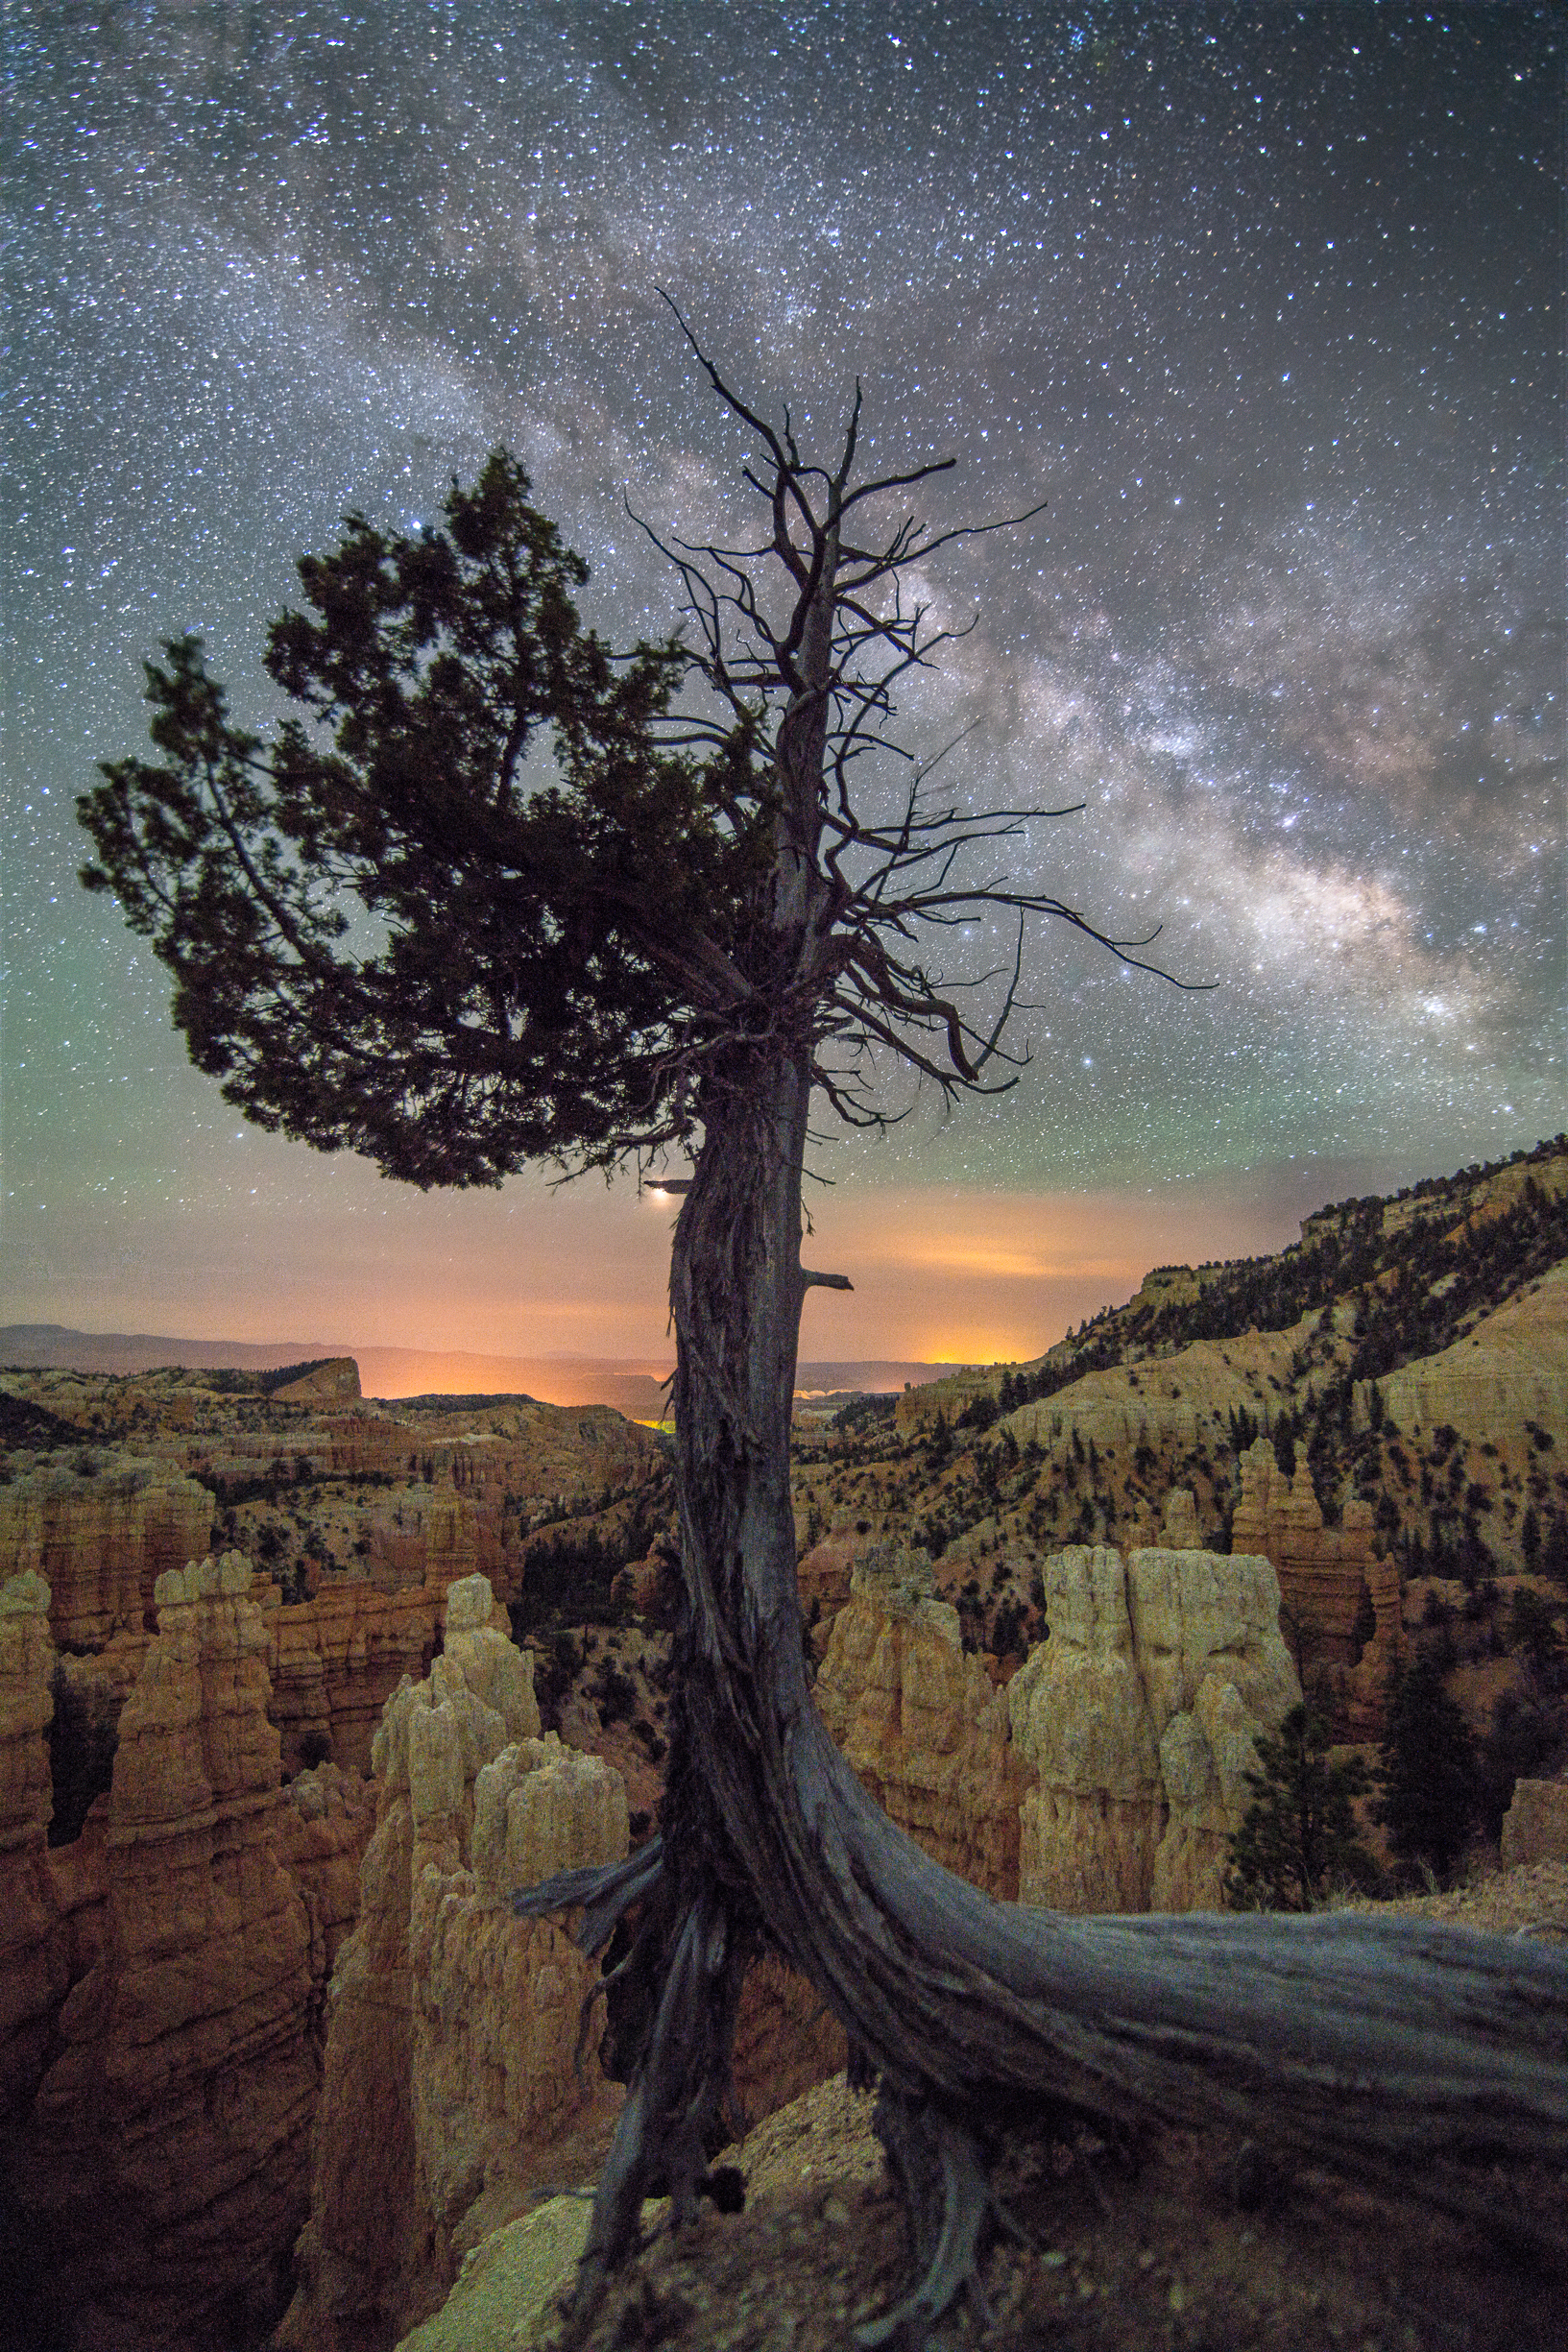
pixel 1264 304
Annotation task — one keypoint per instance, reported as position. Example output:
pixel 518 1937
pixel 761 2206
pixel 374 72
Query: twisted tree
pixel 394 927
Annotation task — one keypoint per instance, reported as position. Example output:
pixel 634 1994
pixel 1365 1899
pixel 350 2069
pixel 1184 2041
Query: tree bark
pixel 1414 2057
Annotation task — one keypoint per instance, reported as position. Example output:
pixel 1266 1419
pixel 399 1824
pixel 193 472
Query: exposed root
pixel 947 2194
pixel 676 2096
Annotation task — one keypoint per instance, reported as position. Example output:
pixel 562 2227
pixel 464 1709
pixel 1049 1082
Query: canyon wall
pixel 165 2153
pixel 1511 1369
pixel 922 1725
pixel 449 2083
pixel 181 1968
pixel 1326 1578
pixel 34 1970
pixel 1107 1774
pixel 1535 1826
pixel 1138 1717
pixel 100 1540
pixel 336 1660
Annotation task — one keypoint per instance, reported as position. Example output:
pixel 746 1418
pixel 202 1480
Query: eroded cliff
pixel 166 2149
pixel 449 2083
pixel 1138 1715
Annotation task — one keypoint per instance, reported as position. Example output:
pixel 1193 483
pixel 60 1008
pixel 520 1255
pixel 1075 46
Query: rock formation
pixel 1536 1825
pixel 1327 1576
pixel 323 1824
pixel 433 1536
pixel 1511 1369
pixel 450 2086
pixel 450 2081
pixel 1180 1533
pixel 336 1660
pixel 824 1577
pixel 1137 1714
pixel 922 1724
pixel 100 1540
pixel 334 1381
pixel 165 2159
pixel 32 1944
pixel 1166 1400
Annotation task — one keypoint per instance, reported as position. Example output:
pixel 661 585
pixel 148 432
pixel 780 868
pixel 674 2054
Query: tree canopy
pixel 397 927
pixel 488 896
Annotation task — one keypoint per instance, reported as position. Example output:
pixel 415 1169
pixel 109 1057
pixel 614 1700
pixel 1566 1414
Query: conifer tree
pixel 1427 1771
pixel 1299 1834
pixel 495 894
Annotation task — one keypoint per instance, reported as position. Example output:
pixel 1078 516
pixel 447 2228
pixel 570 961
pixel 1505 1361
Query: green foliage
pixel 614 1692
pixel 1535 1631
pixel 557 1663
pixel 1522 1737
pixel 1555 1549
pixel 569 1579
pixel 980 1413
pixel 1244 1429
pixel 863 1414
pixel 28 1427
pixel 1009 1635
pixel 1428 1772
pixel 392 928
pixel 1299 1834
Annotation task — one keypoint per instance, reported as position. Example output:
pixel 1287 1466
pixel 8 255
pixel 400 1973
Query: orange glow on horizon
pixel 475 1285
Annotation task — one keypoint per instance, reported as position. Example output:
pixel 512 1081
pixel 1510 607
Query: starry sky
pixel 1263 301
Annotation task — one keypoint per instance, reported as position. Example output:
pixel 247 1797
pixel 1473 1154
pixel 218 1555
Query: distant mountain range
pixel 633 1385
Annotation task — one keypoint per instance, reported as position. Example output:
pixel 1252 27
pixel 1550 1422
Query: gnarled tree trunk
pixel 1412 2056
pixel 1415 2057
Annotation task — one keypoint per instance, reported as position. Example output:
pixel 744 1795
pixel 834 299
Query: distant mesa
pixel 636 1385
pixel 333 1382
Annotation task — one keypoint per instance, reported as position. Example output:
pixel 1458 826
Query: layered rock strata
pixel 824 1577
pixel 324 1823
pixel 1536 1825
pixel 1327 1577
pixel 166 2158
pixel 1137 1714
pixel 33 1941
pixel 100 1541
pixel 921 1723
pixel 449 2078
pixel 336 1660
pixel 1513 1368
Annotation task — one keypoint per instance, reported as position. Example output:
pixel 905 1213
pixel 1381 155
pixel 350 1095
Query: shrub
pixel 614 1692
pixel 1522 1736
pixel 1555 1549
pixel 1299 1831
pixel 1428 1772
pixel 1535 1632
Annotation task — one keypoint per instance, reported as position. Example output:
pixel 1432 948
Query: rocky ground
pixel 1196 2249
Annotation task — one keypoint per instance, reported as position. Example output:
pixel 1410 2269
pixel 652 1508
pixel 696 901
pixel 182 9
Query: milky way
pixel 1263 303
